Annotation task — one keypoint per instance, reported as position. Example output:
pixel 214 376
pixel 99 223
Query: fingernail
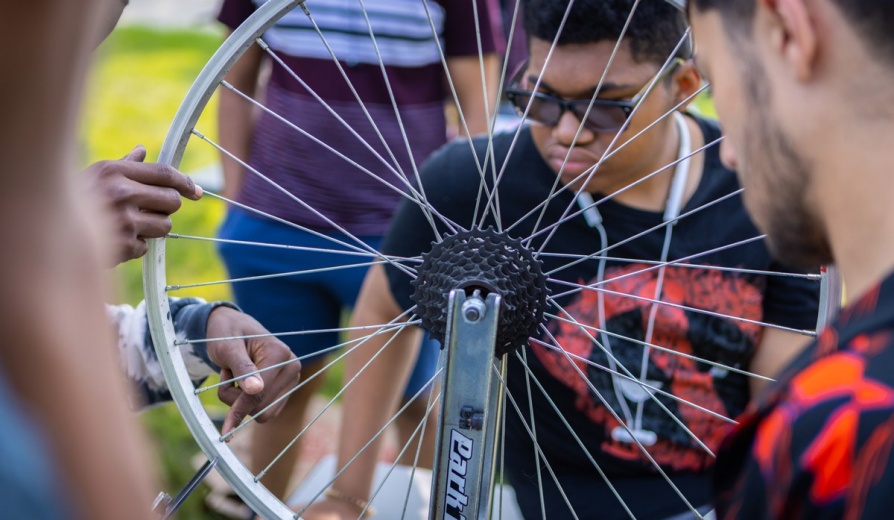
pixel 253 383
pixel 199 191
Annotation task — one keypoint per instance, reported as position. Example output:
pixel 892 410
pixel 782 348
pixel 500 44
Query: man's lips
pixel 577 161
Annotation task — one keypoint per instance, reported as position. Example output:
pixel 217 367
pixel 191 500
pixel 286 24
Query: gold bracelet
pixel 361 505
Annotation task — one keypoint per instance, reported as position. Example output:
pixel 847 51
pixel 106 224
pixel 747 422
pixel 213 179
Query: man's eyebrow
pixel 606 86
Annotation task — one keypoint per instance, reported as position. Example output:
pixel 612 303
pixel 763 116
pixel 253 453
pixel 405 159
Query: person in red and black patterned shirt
pixel 797 85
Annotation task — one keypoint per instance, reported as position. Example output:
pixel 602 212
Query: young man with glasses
pixel 797 85
pixel 647 82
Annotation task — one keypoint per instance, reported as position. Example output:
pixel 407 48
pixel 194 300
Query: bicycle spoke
pixel 432 401
pixel 297 199
pixel 592 171
pixel 660 264
pixel 664 224
pixel 227 382
pixel 411 195
pixel 686 308
pixel 524 115
pixel 225 438
pixel 293 225
pixel 639 382
pixel 653 346
pixel 574 434
pixel 553 195
pixel 551 228
pixel 383 329
pixel 293 248
pixel 451 85
pixel 623 424
pixel 350 86
pixel 371 441
pixel 503 441
pixel 489 151
pixel 399 173
pixel 292 333
pixel 427 209
pixel 419 430
pixel 534 437
pixel 492 116
pixel 539 451
pixel 369 117
pixel 171 288
pixel 628 376
pixel 332 401
pixel 400 123
pixel 596 92
pixel 706 267
pixel 453 93
pixel 650 327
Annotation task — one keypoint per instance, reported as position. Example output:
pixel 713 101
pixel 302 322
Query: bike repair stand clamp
pixel 469 410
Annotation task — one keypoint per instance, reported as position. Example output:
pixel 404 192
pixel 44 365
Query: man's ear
pixel 790 31
pixel 686 82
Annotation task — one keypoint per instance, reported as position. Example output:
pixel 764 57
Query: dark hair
pixel 654 32
pixel 872 19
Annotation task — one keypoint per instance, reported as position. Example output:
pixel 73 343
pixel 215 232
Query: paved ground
pixel 171 13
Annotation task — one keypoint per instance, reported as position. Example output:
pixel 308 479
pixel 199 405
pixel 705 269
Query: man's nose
pixel 567 128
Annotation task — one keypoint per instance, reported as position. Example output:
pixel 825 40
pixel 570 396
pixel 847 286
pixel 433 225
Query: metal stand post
pixel 468 423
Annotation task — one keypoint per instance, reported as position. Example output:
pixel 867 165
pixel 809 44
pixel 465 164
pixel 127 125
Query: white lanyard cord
pixel 672 210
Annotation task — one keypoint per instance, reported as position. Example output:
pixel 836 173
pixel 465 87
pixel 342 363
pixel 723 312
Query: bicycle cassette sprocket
pixel 492 262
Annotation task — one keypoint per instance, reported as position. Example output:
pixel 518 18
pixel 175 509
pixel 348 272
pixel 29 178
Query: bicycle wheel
pixel 572 353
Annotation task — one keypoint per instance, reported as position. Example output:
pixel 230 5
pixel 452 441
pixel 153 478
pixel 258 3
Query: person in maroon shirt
pixel 797 86
pixel 345 172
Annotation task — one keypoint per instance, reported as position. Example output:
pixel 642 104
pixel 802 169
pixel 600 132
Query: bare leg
pixel 406 426
pixel 373 397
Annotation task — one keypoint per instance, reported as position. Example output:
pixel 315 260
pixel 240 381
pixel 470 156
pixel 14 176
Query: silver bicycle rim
pixel 193 411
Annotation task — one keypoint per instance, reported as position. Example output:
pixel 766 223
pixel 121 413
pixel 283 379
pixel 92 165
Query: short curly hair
pixel 656 29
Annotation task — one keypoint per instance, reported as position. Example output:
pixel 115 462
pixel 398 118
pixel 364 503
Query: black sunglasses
pixel 605 116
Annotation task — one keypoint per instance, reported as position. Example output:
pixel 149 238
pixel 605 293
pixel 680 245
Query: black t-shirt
pixel 451 180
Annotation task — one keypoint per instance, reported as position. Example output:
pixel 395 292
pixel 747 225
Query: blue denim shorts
pixel 310 302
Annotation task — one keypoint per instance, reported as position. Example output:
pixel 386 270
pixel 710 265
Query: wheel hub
pixel 488 261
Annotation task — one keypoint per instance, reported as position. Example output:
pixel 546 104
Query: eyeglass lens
pixel 548 110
